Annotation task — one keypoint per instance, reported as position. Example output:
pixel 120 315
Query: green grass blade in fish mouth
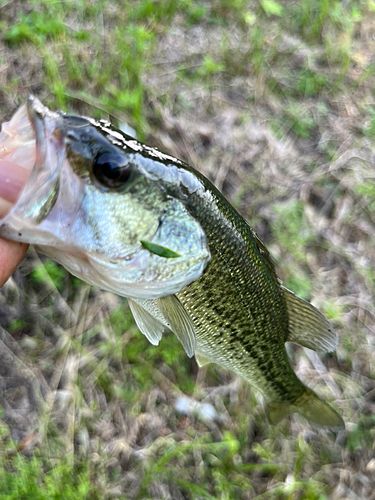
pixel 165 252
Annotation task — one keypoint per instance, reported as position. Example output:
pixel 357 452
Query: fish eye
pixel 110 170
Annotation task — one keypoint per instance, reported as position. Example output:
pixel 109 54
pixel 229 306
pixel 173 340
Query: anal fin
pixel 307 326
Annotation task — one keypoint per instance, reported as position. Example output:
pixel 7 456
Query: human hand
pixel 11 254
pixel 15 168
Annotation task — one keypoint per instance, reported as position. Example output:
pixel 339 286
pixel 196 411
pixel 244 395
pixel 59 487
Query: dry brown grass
pixel 301 169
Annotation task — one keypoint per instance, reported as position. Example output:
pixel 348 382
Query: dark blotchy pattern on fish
pixel 237 306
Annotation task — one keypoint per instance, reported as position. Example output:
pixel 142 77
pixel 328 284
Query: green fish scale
pixel 237 305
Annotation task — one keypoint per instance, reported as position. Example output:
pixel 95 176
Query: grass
pixel 38 478
pixel 267 98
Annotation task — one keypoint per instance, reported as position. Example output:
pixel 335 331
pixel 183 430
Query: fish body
pixel 145 225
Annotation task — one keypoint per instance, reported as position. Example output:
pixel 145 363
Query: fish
pixel 132 220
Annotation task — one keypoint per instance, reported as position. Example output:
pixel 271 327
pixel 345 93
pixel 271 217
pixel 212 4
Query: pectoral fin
pixel 308 326
pixel 179 322
pixel 147 324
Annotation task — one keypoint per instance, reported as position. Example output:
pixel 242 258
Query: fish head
pixel 109 209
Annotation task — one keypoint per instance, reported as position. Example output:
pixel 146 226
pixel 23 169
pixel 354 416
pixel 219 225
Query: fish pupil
pixel 110 170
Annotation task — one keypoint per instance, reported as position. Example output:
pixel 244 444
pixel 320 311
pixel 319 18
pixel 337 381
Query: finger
pixel 12 179
pixel 11 253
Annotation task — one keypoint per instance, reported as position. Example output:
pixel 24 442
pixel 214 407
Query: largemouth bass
pixel 142 224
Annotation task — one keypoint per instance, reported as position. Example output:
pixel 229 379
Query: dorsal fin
pixel 307 326
pixel 147 324
pixel 179 322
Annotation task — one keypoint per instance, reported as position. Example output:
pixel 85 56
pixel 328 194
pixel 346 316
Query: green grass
pixel 49 271
pixel 290 225
pixel 36 478
pixel 96 58
pixel 294 235
pixel 105 67
pixel 369 128
pixel 26 478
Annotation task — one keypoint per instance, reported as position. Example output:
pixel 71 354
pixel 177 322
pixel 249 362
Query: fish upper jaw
pixel 24 221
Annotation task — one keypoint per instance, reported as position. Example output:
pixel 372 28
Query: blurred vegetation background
pixel 273 100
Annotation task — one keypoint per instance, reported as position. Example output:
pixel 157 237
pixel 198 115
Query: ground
pixel 274 102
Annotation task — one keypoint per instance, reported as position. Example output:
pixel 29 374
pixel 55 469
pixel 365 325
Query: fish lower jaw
pixel 114 276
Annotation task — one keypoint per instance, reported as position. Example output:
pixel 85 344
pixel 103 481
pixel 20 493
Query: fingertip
pixel 11 254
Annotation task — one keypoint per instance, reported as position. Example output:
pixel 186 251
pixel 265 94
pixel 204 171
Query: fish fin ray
pixel 180 322
pixel 146 323
pixel 310 406
pixel 201 360
pixel 307 326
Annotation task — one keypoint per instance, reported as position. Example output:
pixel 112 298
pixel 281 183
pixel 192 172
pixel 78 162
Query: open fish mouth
pixel 17 157
pixel 117 240
pixel 31 159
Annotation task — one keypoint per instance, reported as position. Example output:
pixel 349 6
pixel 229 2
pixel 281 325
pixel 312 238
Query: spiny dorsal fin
pixel 201 360
pixel 307 326
pixel 180 322
pixel 147 324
